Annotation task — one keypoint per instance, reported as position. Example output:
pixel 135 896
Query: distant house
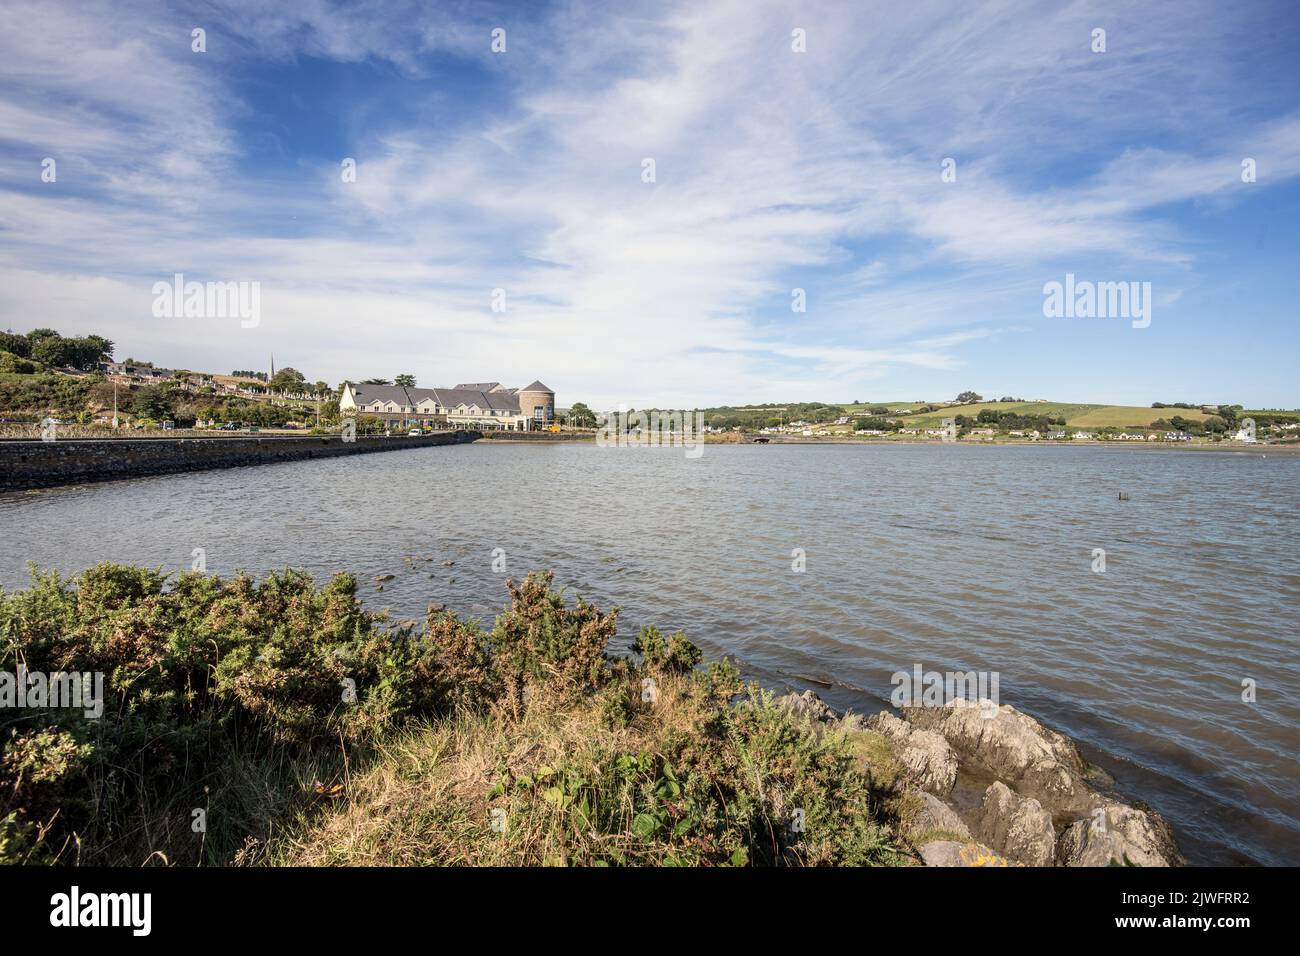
pixel 478 405
pixel 1053 435
pixel 1244 435
pixel 1083 436
pixel 138 373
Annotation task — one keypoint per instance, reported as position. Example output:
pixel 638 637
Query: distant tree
pixel 1230 414
pixel 405 381
pixel 288 380
pixel 875 424
pixel 375 381
pixel 15 344
pixel 969 398
pixel 153 401
pixel 580 416
pixel 83 354
pixel 54 350
pixel 878 410
pixel 98 349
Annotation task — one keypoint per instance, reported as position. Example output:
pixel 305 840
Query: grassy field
pixel 860 407
pixel 1077 414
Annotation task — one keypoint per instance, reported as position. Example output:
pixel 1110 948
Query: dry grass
pixel 428 797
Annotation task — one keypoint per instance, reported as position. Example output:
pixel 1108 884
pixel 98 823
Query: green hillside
pixel 1075 413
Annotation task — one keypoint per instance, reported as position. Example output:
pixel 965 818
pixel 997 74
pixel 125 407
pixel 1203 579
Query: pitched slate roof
pixel 451 397
pixel 503 400
pixel 365 394
pixel 536 387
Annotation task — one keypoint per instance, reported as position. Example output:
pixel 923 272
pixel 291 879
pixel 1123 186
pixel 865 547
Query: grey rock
pixel 936 815
pixel 923 752
pixel 1120 835
pixel 1012 747
pixel 952 853
pixel 808 705
pixel 1017 827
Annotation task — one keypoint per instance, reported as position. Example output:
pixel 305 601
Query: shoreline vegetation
pixel 73 385
pixel 271 722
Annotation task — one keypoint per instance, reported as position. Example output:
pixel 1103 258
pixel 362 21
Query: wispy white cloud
pixel 774 170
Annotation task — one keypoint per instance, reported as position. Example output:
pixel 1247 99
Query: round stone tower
pixel 537 404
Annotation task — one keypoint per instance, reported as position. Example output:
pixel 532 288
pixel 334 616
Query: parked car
pixel 229 427
pixel 414 433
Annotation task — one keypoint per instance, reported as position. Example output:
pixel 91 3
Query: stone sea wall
pixel 540 436
pixel 40 464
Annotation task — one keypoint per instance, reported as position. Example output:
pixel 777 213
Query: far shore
pixel 1239 447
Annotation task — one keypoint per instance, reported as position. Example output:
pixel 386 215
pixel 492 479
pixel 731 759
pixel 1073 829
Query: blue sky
pixel 775 170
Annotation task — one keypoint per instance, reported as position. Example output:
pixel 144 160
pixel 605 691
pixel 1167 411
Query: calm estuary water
pixel 952 557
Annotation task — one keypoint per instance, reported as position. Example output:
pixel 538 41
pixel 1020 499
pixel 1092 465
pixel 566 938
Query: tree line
pixel 48 348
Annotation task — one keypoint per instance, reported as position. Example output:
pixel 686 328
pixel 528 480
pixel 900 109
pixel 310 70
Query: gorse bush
pixel 246 701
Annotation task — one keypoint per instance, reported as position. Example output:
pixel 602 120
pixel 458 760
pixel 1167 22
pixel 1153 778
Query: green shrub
pixel 249 699
pixel 674 654
pixel 9 362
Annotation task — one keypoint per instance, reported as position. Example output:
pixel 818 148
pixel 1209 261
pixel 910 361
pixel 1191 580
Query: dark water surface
pixel 952 557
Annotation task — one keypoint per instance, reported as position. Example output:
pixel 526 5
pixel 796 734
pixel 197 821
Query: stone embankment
pixel 44 464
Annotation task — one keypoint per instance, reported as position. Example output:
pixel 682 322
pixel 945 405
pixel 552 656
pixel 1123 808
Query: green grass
pixel 1076 414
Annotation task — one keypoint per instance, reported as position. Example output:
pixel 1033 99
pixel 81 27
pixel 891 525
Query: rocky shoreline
pixel 994 787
